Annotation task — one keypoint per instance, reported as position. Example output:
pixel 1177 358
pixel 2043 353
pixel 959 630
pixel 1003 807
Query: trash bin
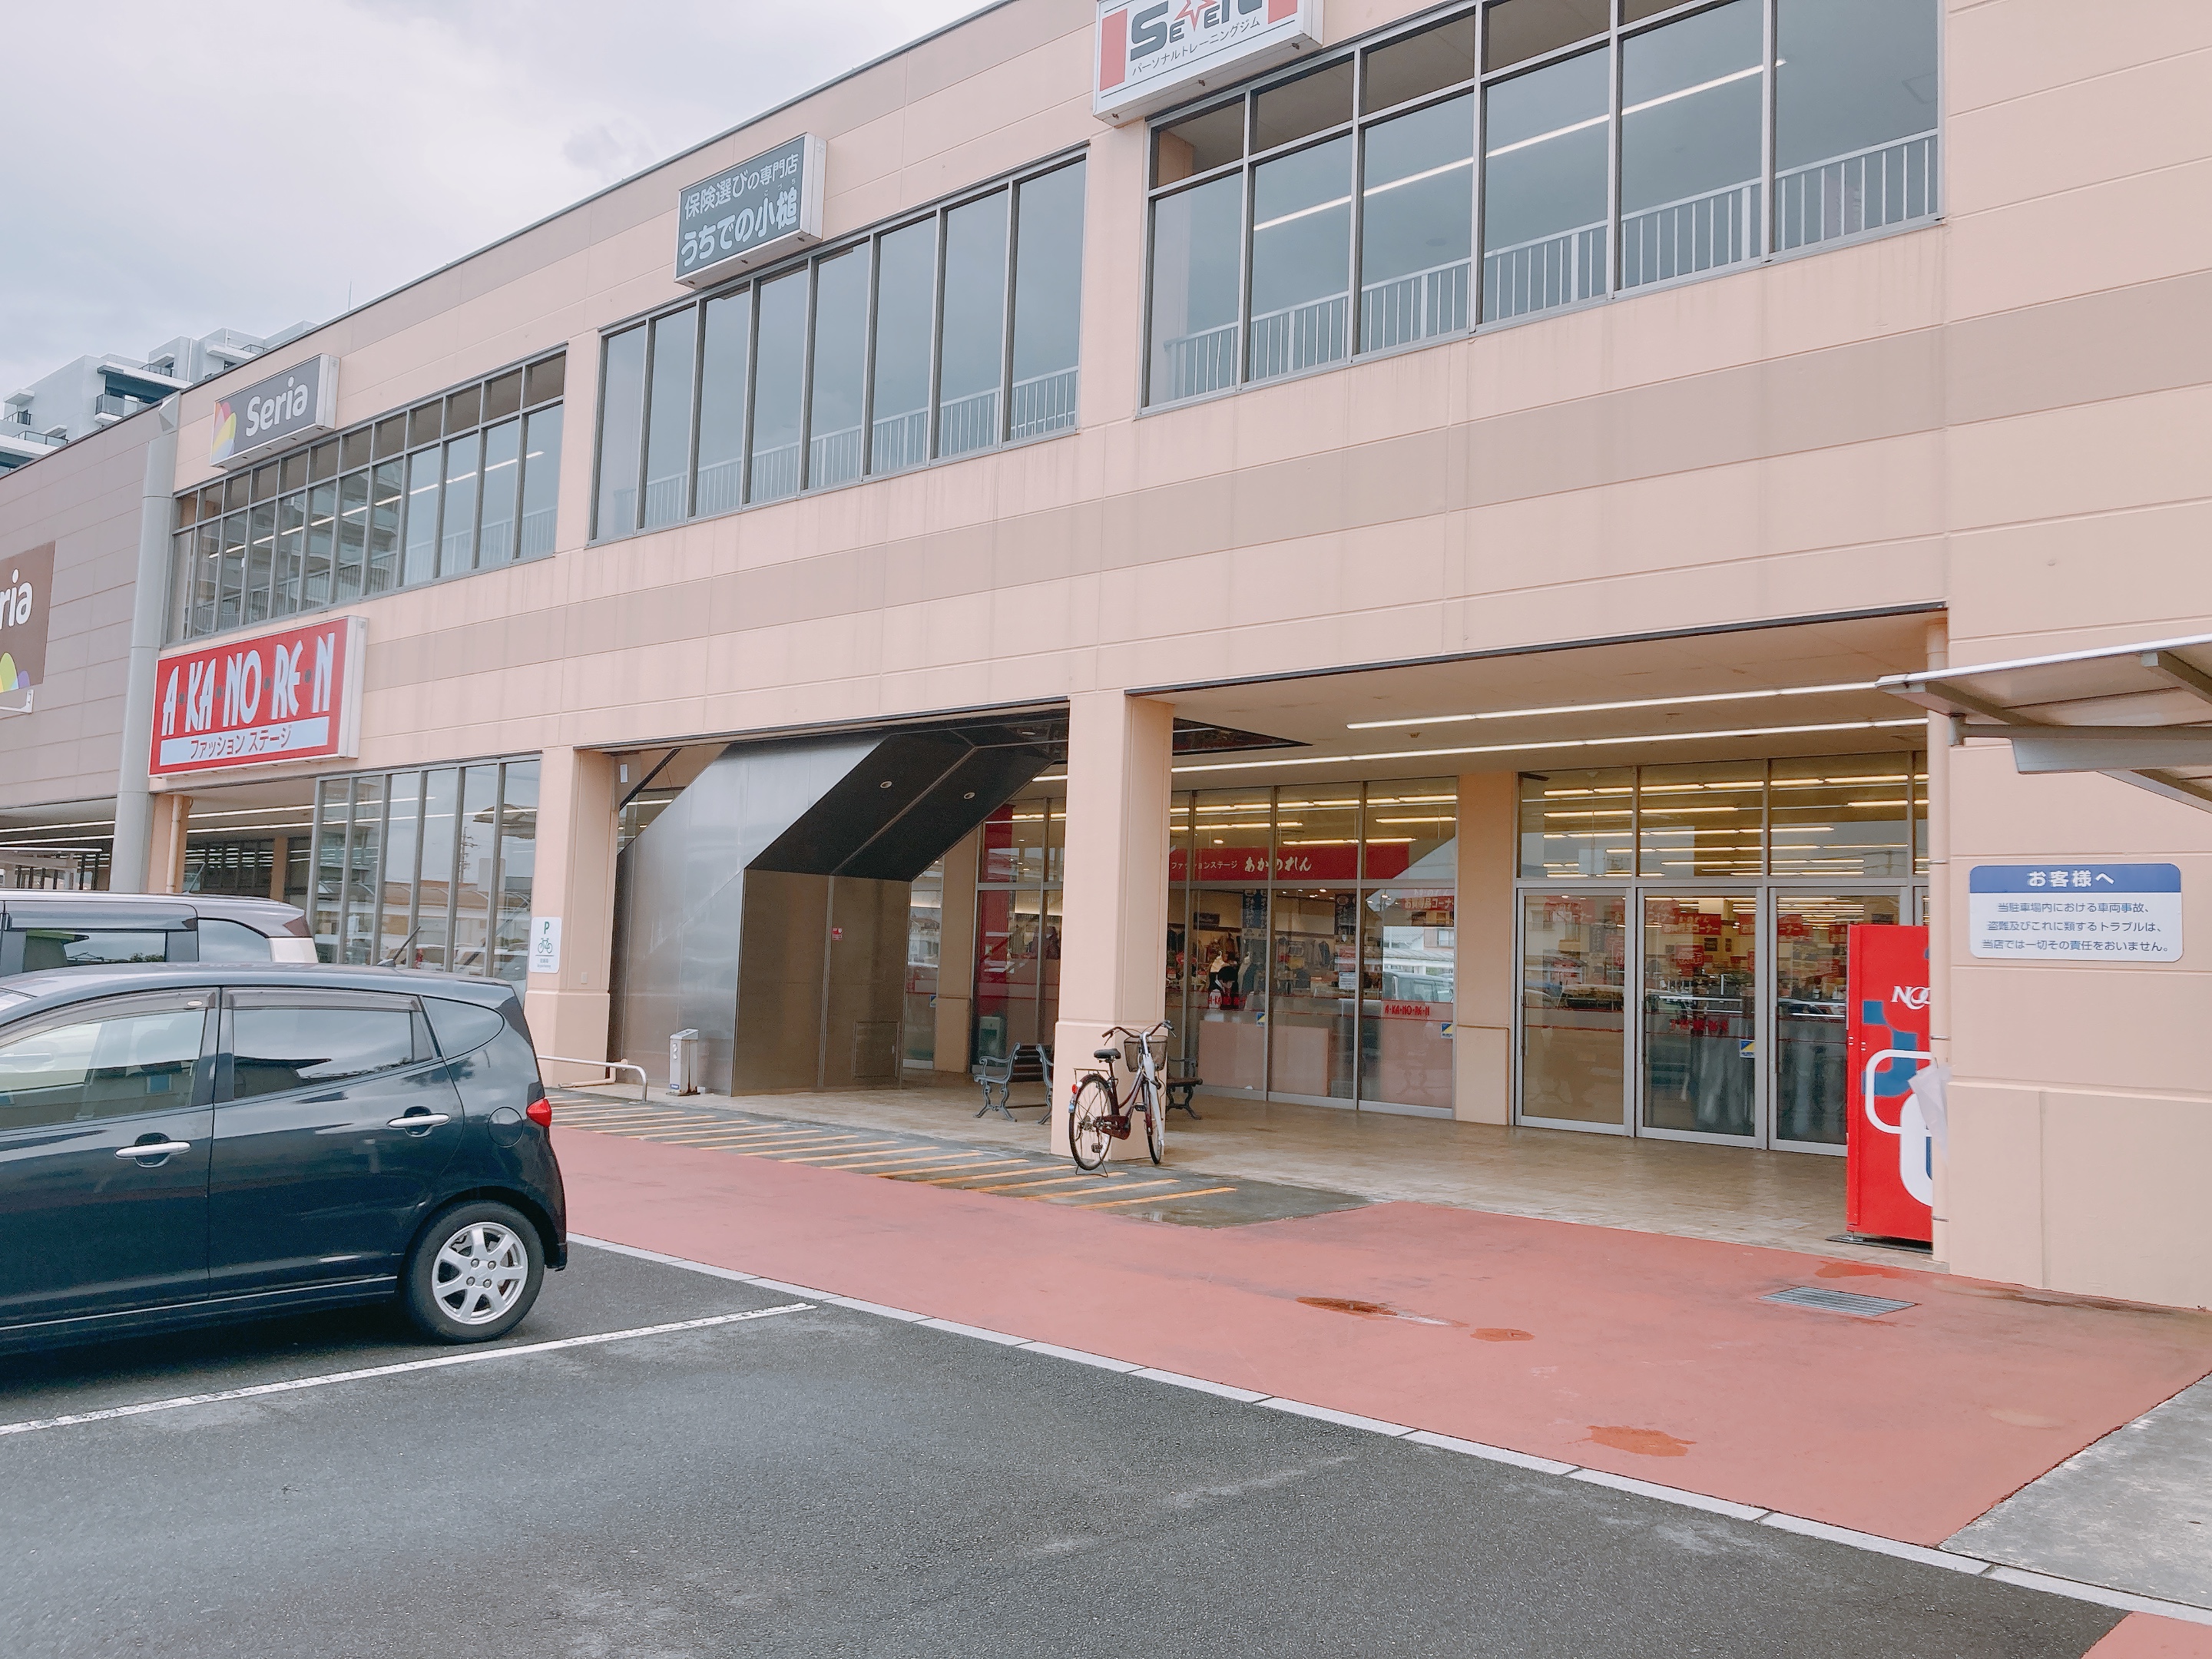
pixel 683 1062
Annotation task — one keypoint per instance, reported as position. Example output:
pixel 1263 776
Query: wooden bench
pixel 1030 1062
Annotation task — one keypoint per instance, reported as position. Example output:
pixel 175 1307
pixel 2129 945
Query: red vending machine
pixel 1892 1175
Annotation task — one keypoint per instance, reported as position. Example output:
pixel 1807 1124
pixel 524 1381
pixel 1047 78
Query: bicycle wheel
pixel 1156 1123
pixel 1088 1116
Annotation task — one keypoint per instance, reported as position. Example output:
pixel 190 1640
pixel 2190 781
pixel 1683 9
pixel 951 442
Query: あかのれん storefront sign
pixel 291 696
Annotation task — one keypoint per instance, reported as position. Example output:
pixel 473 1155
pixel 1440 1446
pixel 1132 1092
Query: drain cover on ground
pixel 1842 1302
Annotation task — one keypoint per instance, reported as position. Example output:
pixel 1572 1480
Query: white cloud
pixel 177 169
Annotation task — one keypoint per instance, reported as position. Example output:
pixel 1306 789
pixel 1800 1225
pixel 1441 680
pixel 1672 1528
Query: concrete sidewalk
pixel 1646 1356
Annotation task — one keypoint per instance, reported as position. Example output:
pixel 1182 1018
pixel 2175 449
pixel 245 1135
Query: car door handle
pixel 420 1121
pixel 153 1149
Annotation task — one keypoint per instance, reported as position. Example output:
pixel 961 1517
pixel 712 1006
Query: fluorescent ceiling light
pixel 1610 707
pixel 1564 743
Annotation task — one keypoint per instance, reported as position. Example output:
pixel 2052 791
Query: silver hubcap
pixel 479 1272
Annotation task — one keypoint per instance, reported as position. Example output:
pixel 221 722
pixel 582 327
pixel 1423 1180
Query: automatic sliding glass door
pixel 1574 1038
pixel 1699 1017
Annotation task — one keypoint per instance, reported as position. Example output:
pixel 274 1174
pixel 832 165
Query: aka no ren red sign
pixel 291 696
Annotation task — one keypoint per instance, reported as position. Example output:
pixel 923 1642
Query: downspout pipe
pixel 134 801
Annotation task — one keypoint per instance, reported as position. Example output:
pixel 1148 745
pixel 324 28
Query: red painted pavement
pixel 1642 1354
pixel 2141 1636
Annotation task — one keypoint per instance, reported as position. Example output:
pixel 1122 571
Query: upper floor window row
pixel 936 337
pixel 1312 217
pixel 465 481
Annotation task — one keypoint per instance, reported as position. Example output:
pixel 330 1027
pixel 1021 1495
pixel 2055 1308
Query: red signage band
pixel 290 696
pixel 1113 49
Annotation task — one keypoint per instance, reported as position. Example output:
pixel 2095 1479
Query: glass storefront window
pixel 518 861
pixel 841 345
pixel 668 420
pixel 1574 966
pixel 1840 816
pixel 1700 1014
pixel 1812 935
pixel 1408 978
pixel 1578 823
pixel 1701 820
pixel 971 348
pixel 362 887
pixel 925 935
pixel 433 888
pixel 1301 260
pixel 726 349
pixel 1314 993
pixel 1416 232
pixel 1229 948
pixel 1048 302
pixel 779 387
pixel 1545 160
pixel 473 880
pixel 1854 116
pixel 906 299
pixel 502 474
pixel 403 840
pixel 1317 835
pixel 1197 238
pixel 622 416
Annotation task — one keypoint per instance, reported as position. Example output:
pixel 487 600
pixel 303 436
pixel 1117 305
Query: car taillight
pixel 540 1109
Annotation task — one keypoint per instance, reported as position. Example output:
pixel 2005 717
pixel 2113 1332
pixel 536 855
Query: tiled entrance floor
pixel 1784 1200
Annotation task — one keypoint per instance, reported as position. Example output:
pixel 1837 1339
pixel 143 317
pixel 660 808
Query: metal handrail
pixel 610 1066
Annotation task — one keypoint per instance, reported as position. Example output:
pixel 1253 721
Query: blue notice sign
pixel 2054 912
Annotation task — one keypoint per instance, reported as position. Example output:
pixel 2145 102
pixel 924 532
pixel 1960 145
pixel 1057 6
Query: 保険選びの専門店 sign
pixel 747 215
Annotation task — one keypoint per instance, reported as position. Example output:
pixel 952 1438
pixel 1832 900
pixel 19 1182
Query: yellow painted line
pixel 925 1167
pixel 1057 1180
pixel 854 1154
pixel 718 1135
pixel 979 1169
pixel 1200 1192
pixel 631 1120
pixel 796 1143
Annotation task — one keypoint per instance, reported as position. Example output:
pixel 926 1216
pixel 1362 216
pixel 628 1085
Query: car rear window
pixel 224 940
pixel 59 947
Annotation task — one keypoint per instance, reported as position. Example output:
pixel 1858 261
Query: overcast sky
pixel 176 168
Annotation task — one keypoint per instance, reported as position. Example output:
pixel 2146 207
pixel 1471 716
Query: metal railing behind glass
pixel 775 472
pixel 664 500
pixel 834 458
pixel 1865 190
pixel 1550 270
pixel 1300 336
pixel 1043 403
pixel 1197 363
pixel 1414 307
pixel 970 422
pixel 537 532
pixel 1698 233
pixel 901 440
pixel 719 484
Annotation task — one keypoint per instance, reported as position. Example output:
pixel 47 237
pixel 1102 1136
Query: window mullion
pixel 937 338
pixel 1615 127
pixel 752 386
pixel 1005 425
pixel 1767 82
pixel 807 378
pixel 698 400
pixel 868 380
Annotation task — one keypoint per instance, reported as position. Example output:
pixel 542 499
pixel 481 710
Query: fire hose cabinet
pixel 1891 1178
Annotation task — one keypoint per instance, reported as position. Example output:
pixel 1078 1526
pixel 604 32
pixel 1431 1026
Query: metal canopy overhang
pixel 2139 713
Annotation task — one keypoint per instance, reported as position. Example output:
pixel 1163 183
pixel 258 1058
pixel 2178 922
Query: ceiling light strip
pixel 1558 743
pixel 1615 708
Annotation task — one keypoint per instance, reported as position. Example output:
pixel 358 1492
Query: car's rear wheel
pixel 474 1273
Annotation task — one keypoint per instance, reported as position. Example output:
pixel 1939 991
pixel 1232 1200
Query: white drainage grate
pixel 1842 1302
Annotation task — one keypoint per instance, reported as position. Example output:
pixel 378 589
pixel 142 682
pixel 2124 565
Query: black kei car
pixel 188 1142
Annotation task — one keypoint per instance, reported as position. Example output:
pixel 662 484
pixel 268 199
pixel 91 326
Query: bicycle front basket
pixel 1133 1052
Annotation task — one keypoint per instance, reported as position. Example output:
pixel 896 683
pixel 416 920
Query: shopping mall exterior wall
pixel 2000 415
pixel 83 498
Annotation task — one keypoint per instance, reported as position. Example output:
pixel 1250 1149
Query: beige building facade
pixel 1429 544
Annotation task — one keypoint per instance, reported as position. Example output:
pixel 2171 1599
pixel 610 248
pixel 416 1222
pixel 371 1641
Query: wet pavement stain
pixel 1642 1442
pixel 1353 1305
pixel 1501 1333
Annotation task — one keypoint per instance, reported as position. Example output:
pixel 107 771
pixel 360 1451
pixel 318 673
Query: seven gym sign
pixel 1153 53
pixel 291 696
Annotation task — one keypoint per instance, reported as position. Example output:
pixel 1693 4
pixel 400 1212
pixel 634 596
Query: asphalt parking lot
pixel 827 1481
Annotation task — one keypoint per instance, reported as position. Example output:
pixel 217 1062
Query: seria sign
pixel 291 696
pixel 1153 53
pixel 300 402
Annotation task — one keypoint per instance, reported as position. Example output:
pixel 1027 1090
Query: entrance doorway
pixel 1713 1015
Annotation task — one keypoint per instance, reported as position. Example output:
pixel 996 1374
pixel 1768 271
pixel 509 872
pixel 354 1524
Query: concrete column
pixel 1938 918
pixel 1114 905
pixel 280 852
pixel 574 882
pixel 132 860
pixel 1482 1020
pixel 165 871
pixel 956 956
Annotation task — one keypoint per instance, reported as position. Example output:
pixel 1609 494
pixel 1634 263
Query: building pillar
pixel 165 861
pixel 1939 920
pixel 574 885
pixel 1482 1015
pixel 1115 902
pixel 280 854
pixel 955 955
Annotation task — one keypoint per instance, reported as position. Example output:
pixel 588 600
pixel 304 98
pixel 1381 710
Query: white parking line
pixel 258 1389
pixel 1969 1565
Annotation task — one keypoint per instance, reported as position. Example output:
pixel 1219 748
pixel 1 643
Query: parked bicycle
pixel 1098 1113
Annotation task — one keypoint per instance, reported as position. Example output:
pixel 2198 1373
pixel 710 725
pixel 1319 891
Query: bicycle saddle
pixel 1104 1054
